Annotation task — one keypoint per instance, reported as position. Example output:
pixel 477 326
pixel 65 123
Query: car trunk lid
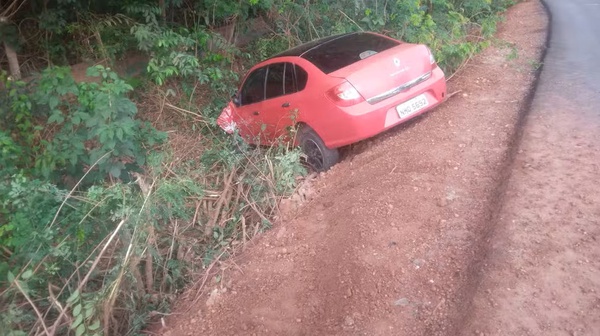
pixel 388 73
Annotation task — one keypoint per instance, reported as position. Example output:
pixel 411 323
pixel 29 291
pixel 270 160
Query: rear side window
pixel 253 90
pixel 289 85
pixel 346 50
pixel 283 79
pixel 301 77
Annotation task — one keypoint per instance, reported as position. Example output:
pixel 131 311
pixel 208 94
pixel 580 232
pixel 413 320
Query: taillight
pixel 345 95
pixel 431 57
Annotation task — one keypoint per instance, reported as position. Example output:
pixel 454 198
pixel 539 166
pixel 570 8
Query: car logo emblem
pixel 396 62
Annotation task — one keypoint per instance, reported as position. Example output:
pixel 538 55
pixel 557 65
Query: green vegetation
pixel 116 190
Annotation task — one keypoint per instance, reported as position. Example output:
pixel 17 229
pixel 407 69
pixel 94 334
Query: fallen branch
pixel 37 312
pixel 204 279
pixel 453 93
pixel 182 110
pixel 217 210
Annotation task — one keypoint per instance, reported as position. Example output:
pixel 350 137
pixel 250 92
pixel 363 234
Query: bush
pixel 86 124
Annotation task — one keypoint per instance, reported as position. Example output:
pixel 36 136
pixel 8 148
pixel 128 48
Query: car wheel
pixel 318 156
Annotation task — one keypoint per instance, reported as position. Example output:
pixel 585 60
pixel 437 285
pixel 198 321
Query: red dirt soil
pixel 391 242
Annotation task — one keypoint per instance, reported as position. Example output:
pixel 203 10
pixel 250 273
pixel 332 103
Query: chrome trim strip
pixel 395 91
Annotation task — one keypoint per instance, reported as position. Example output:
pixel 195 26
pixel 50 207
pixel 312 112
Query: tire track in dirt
pixel 387 245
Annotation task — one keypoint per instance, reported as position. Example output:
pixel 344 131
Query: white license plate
pixel 414 105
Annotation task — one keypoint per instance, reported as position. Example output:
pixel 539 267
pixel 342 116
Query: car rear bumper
pixel 365 120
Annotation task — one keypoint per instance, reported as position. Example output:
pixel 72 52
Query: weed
pixel 535 64
pixel 514 53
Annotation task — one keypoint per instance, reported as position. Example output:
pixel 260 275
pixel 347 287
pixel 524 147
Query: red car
pixel 337 90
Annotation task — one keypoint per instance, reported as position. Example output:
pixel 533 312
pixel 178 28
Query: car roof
pixel 308 46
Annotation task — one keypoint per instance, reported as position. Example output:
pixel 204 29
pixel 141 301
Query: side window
pixel 301 78
pixel 289 84
pixel 253 90
pixel 275 80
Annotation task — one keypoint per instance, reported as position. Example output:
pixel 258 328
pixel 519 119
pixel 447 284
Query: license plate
pixel 414 105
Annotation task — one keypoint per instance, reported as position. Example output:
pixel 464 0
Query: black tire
pixel 318 156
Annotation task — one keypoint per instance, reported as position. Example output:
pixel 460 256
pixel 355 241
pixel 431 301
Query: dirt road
pixel 543 272
pixel 392 242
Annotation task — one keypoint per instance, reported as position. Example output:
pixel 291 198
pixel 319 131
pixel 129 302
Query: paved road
pixel 574 47
pixel 543 274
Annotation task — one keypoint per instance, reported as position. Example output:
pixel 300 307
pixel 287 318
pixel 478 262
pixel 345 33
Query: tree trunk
pixel 163 10
pixel 13 62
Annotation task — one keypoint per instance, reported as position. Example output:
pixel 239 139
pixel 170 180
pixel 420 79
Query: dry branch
pixel 37 312
pixel 221 201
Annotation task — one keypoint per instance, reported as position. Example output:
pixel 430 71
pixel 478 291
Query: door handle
pixel 286 104
pixel 255 113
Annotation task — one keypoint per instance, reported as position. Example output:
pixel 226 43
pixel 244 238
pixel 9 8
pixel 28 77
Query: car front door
pixel 250 105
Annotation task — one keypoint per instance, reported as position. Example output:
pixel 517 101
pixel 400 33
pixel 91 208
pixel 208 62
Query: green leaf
pixel 77 310
pixel 77 322
pixel 93 71
pixel 91 122
pixel 53 102
pixel 27 274
pixel 115 171
pixel 73 297
pixel 94 325
pixel 89 312
pixel 56 117
pixel 10 277
pixel 80 330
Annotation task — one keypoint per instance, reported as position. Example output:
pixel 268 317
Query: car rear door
pixel 283 98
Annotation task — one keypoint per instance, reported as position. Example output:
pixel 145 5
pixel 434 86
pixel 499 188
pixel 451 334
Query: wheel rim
pixel 314 154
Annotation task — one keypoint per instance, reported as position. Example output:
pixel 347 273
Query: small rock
pixel 194 321
pixel 281 233
pixel 418 263
pixel 401 302
pixel 213 297
pixel 298 320
pixel 349 321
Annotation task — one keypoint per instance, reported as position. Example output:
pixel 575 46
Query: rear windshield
pixel 346 50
